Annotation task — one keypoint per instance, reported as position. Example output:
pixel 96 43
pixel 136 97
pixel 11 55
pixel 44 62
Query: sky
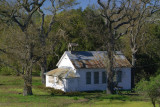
pixel 82 3
pixel 85 3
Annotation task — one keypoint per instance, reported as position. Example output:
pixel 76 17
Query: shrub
pixel 52 91
pixel 75 98
pixel 7 71
pixel 150 88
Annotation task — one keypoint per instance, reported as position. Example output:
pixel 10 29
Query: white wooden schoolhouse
pixel 85 71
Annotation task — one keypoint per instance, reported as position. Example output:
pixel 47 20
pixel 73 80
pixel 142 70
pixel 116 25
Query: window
pixel 96 77
pixel 88 77
pixel 119 76
pixel 104 77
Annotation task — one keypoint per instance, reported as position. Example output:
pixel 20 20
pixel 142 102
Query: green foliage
pixel 158 71
pixel 146 66
pixel 7 71
pixel 75 98
pixel 152 39
pixel 36 70
pixel 80 27
pixel 150 88
pixel 53 91
pixel 148 54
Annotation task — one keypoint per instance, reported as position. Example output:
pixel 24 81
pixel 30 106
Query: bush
pixel 150 88
pixel 53 91
pixel 75 98
pixel 7 71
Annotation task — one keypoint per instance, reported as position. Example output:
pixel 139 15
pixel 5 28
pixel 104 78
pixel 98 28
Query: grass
pixel 114 103
pixel 11 89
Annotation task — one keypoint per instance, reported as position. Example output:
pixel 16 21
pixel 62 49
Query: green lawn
pixel 11 88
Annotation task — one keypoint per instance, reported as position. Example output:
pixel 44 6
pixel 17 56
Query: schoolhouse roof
pixel 95 59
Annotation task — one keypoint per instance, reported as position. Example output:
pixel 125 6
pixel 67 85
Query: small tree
pixel 150 89
pixel 45 28
pixel 144 10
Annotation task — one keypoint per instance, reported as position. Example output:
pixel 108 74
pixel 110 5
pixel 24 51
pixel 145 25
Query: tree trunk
pixel 153 102
pixel 28 81
pixel 110 71
pixel 18 72
pixel 43 70
pixel 110 84
pixel 133 70
pixel 133 59
pixel 27 69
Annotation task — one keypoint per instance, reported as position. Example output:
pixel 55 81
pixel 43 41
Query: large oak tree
pixel 34 36
pixel 114 13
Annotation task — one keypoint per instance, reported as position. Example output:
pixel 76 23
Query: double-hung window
pixel 96 77
pixel 104 79
pixel 119 76
pixel 88 77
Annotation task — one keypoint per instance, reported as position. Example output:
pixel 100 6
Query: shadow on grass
pixel 92 95
pixel 2 84
pixel 96 95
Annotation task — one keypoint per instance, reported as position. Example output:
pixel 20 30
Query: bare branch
pixel 124 33
pixel 42 23
pixel 26 22
pixel 101 4
pixel 53 17
pixel 125 22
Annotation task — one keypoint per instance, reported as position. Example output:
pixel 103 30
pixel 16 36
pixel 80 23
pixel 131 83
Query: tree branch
pixel 124 33
pixel 42 23
pixel 126 22
pixel 101 4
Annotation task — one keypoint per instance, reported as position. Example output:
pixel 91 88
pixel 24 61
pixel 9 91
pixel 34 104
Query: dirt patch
pixel 82 100
pixel 14 92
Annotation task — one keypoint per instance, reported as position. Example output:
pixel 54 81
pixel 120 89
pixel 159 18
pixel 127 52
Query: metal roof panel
pixel 95 59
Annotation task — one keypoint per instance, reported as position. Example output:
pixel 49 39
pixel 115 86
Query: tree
pixel 82 27
pixel 137 30
pixel 150 89
pixel 14 10
pixel 56 7
pixel 21 12
pixel 145 10
pixel 115 15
